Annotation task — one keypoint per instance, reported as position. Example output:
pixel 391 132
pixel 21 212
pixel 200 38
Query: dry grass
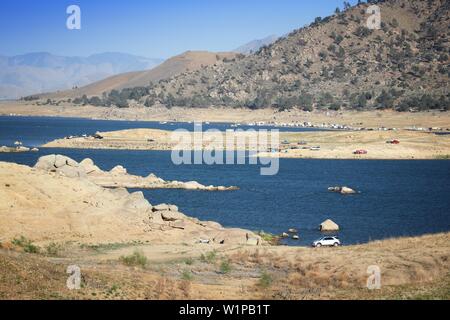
pixel 412 268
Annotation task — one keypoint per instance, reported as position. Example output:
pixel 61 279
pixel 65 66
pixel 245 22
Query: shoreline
pixel 411 145
pixel 374 118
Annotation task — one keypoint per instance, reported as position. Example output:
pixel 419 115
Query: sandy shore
pixel 333 144
pixel 373 119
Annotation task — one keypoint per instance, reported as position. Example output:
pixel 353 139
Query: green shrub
pixel 225 267
pixel 187 275
pixel 135 259
pixel 53 249
pixel 209 257
pixel 265 280
pixel 26 244
pixel 269 237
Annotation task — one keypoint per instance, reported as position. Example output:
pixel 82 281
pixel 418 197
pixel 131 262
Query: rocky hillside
pixel 336 62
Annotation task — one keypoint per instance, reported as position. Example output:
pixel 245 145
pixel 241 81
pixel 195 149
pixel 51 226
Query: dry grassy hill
pixel 185 62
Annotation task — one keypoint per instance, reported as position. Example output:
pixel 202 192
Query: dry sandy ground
pixel 411 268
pixel 373 119
pixel 333 144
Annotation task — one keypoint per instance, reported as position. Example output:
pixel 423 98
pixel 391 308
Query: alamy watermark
pixel 73 22
pixel 238 146
pixel 374 279
pixel 374 20
pixel 74 280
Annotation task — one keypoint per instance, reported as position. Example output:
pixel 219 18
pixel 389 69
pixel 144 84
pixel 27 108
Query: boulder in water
pixel 328 225
pixel 347 190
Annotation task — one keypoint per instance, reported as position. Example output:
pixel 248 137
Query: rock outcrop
pixel 117 177
pixel 67 206
pixel 62 165
pixel 18 148
pixel 342 190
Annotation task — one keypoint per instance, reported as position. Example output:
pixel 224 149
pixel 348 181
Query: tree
pixel 95 101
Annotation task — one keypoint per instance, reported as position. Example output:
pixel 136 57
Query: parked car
pixel 328 241
pixel 360 152
pixel 395 141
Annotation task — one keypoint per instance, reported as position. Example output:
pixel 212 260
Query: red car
pixel 395 141
pixel 360 152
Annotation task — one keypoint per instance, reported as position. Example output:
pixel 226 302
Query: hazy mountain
pixel 255 45
pixel 39 72
pixel 186 62
pixel 336 62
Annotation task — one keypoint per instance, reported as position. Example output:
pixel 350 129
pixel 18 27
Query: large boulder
pixel 71 172
pixel 62 165
pixel 328 225
pixel 61 161
pixel 46 162
pixel 89 166
pixel 347 190
pixel 342 190
pixel 118 170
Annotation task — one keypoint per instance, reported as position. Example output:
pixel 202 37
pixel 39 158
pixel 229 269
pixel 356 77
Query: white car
pixel 328 241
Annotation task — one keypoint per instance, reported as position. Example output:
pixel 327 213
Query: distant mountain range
pixel 255 45
pixel 39 72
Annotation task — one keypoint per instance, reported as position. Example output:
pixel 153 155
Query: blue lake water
pixel 398 198
pixel 35 131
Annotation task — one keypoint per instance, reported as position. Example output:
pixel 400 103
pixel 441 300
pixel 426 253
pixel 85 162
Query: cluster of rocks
pixel 166 217
pixel 117 177
pixel 293 233
pixel 326 226
pixel 342 190
pixel 18 148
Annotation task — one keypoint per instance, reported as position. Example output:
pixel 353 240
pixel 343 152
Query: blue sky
pixel 157 29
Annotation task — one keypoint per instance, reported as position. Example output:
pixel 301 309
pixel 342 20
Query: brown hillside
pixel 185 62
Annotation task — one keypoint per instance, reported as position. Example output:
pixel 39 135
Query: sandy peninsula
pixel 368 119
pixel 313 145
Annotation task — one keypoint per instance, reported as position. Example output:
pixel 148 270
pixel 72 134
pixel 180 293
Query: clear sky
pixel 150 28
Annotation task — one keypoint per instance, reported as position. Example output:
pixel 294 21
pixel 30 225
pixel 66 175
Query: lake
pixel 397 198
pixel 35 131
